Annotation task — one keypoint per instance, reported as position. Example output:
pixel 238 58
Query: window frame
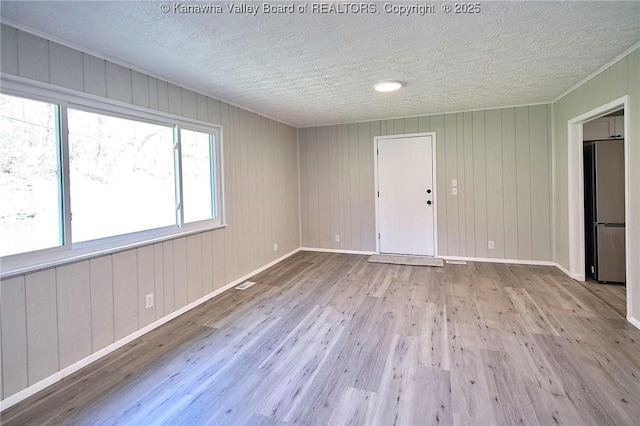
pixel 63 99
pixel 214 147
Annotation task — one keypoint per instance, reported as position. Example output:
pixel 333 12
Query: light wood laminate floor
pixel 330 339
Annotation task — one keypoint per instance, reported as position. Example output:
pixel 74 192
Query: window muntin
pixel 121 175
pixel 30 180
pixel 198 175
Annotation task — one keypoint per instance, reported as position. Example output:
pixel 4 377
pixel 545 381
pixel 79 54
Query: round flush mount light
pixel 388 86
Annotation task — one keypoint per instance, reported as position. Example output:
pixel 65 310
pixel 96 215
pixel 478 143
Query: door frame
pixel 576 191
pixel 434 189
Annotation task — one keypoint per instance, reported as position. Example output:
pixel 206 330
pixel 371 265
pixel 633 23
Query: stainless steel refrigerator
pixel 605 210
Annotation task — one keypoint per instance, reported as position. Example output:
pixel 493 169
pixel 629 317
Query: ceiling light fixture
pixel 388 86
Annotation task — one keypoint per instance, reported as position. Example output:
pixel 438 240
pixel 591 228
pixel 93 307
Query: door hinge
pixel 378 194
pixel 377 151
pixel 378 235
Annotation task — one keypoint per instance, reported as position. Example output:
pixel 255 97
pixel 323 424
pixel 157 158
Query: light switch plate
pixel 454 191
pixel 454 182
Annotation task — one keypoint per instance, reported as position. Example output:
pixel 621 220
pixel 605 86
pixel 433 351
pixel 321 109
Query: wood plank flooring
pixel 329 339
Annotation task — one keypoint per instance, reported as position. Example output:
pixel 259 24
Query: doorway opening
pixel 604 208
pixel 609 238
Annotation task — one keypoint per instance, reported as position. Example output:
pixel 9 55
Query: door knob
pixel 428 191
pixel 429 202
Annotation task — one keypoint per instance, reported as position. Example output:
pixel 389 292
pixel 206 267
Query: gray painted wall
pixel 501 159
pixel 53 318
pixel 620 79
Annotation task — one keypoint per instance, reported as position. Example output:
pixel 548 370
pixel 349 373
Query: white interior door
pixel 406 205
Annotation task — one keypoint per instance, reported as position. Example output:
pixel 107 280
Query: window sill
pixel 24 264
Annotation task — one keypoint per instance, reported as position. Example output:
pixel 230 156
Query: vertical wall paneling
pixel 189 103
pixel 66 67
pixel 168 276
pixel 253 205
pixel 218 260
pixel 15 374
pixel 312 187
pixel 213 110
pixel 229 242
pixel 194 267
pixel 411 125
pixel 462 185
pixel 125 293
pixel 174 99
pixel 180 273
pixel 239 160
pixel 94 75
pixel 346 187
pixel 140 89
pixel 495 203
pixel 42 325
pixel 74 312
pixel 158 280
pixel 451 222
pixel 101 273
pixel 163 96
pixel 480 183
pixel 338 194
pixel 33 57
pixel 324 205
pixel 153 93
pixel 509 184
pixel 266 219
pixel 119 83
pixel 354 195
pixel 272 218
pixel 523 184
pixel 203 111
pixel 468 186
pixel 262 196
pixel 398 126
pixel 424 124
pixel 239 117
pixel 146 284
pixel 237 199
pixel 487 152
pixel 9 49
pixel 333 188
pixel 540 202
pixel 207 263
pixel 366 184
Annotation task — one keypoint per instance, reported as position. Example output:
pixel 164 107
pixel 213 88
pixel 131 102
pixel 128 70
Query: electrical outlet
pixel 454 191
pixel 149 301
pixel 275 246
pixel 454 182
pixel 337 238
pixel 492 245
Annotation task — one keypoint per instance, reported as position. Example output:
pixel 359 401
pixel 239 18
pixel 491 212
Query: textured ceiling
pixel 309 69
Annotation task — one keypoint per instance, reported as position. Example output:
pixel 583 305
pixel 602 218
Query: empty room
pixel 319 213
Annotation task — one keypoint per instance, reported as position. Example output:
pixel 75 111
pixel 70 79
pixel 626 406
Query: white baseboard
pixel 633 321
pixel 56 377
pixel 567 272
pixel 325 250
pixel 494 260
